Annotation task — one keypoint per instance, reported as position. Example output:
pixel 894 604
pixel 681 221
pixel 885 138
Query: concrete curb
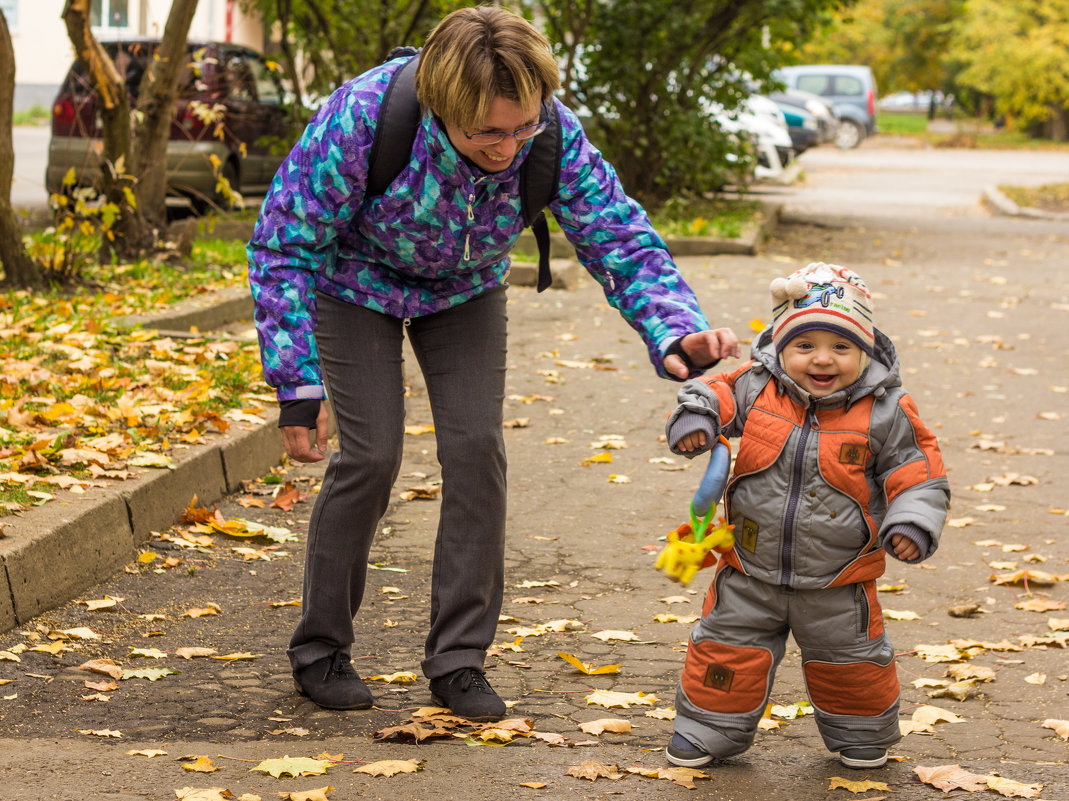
pixel 55 552
pixel 1003 205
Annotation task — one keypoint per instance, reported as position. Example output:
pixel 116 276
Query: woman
pixel 338 277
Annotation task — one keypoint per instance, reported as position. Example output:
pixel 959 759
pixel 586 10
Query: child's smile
pixel 822 362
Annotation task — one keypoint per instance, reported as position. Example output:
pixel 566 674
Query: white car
pixel 761 120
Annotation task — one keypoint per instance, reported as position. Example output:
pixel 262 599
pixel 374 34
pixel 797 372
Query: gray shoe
pixel 468 694
pixel 683 752
pixel 861 758
pixel 333 683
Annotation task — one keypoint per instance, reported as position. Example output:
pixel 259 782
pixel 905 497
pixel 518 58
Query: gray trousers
pixel 461 352
pixel 848 663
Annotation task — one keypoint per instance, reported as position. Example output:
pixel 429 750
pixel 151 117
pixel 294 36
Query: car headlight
pixel 810 124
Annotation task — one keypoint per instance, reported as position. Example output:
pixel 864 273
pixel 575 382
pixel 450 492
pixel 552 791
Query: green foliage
pixel 643 70
pixel 903 123
pixel 1024 67
pixel 36 115
pixel 341 39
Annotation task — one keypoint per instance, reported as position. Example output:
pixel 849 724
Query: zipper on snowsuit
pixel 787 549
pixel 471 218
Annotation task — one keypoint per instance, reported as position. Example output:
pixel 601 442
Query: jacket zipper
pixel 787 549
pixel 471 218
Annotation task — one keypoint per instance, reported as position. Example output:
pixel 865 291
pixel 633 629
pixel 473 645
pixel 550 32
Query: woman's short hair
pixel 475 55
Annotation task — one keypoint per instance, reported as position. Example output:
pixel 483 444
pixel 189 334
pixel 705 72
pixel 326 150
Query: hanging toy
pixel 689 546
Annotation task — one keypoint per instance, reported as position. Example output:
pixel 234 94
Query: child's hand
pixel 694 441
pixel 905 549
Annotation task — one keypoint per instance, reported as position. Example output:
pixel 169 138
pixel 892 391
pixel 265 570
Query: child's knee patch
pixel 731 679
pixel 856 688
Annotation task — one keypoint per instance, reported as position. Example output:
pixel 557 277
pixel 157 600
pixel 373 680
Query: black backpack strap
pixel 395 130
pixel 539 183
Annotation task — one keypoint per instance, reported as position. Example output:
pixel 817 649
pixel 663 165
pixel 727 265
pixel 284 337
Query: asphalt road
pixel 978 308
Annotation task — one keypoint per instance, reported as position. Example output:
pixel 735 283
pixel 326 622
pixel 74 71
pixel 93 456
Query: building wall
pixel 43 51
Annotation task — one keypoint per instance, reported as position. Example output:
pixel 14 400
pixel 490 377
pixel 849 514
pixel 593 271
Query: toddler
pixel 834 471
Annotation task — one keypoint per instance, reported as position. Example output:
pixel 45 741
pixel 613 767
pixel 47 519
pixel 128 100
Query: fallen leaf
pixel 932 714
pixel 684 777
pixel 201 764
pixel 148 653
pixel 1016 789
pixel 80 633
pixel 614 725
pixel 101 603
pixel 534 785
pixel 609 699
pixel 152 674
pixel 1036 678
pixel 292 766
pixel 589 670
pixel 1061 727
pixel 839 783
pixel 318 794
pixel 203 794
pixel 237 656
pixel 602 458
pixel 105 666
pixel 147 752
pixel 903 615
pixel 210 609
pixel 624 636
pixel 1040 605
pixel 390 767
pixel 594 771
pixel 100 732
pixel 401 677
pixel 193 652
pixel 662 713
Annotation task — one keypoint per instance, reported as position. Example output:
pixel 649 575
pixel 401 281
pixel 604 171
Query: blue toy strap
pixel 713 482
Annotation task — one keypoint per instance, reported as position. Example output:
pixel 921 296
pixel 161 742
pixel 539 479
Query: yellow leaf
pixel 1061 727
pixel 149 653
pixel 234 657
pixel 293 766
pixel 80 633
pixel 147 752
pixel 202 794
pixel 662 713
pixel 684 777
pixel 201 764
pixel 390 767
pixel 933 714
pixel 593 771
pixel 589 670
pixel 534 785
pixel 609 698
pixel 319 794
pixel 837 782
pixel 600 458
pixel 614 725
pixel 415 431
pixel 610 634
pixel 1013 788
pixel 904 615
pixel 757 325
pixel 100 732
pixel 401 677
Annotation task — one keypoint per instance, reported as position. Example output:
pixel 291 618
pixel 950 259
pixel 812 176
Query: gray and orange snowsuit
pixel 818 485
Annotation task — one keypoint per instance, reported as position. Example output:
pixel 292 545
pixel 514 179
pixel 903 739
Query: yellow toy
pixel 689 546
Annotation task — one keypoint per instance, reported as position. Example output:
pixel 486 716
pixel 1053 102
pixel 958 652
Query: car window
pixel 817 84
pixel 848 86
pixel 268 89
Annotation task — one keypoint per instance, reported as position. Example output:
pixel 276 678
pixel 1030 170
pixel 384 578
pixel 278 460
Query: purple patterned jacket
pixel 438 236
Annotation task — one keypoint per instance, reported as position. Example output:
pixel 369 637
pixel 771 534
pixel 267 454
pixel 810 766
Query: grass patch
pixel 1049 197
pixel 724 219
pixel 37 115
pixel 903 124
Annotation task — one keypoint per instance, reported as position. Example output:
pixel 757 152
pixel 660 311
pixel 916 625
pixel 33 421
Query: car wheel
pixel 850 135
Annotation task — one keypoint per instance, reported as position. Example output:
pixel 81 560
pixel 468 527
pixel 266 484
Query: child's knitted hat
pixel 822 297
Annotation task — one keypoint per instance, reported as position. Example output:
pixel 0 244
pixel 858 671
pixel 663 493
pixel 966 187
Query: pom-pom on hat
pixel 822 297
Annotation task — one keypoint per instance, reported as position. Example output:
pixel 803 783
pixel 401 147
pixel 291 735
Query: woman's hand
pixel 703 347
pixel 296 439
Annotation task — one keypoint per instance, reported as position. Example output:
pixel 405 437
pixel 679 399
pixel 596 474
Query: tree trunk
pixel 19 269
pixel 155 104
pixel 133 235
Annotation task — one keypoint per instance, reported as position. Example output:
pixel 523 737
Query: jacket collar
pixel 454 167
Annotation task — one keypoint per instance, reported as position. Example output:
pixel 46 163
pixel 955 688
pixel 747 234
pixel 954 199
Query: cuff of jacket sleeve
pixel 687 423
pixel 298 413
pixel 921 538
pixel 676 349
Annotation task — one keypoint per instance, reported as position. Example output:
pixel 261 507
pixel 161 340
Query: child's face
pixel 822 362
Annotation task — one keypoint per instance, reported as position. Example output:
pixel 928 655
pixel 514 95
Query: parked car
pixel 850 87
pixel 763 124
pixel 914 101
pixel 802 127
pixel 825 113
pixel 249 137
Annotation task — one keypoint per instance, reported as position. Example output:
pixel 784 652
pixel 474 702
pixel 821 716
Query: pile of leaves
pixel 83 399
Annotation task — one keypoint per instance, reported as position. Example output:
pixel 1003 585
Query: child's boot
pixel 863 757
pixel 683 752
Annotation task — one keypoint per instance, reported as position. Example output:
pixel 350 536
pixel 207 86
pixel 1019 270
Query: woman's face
pixel 505 117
